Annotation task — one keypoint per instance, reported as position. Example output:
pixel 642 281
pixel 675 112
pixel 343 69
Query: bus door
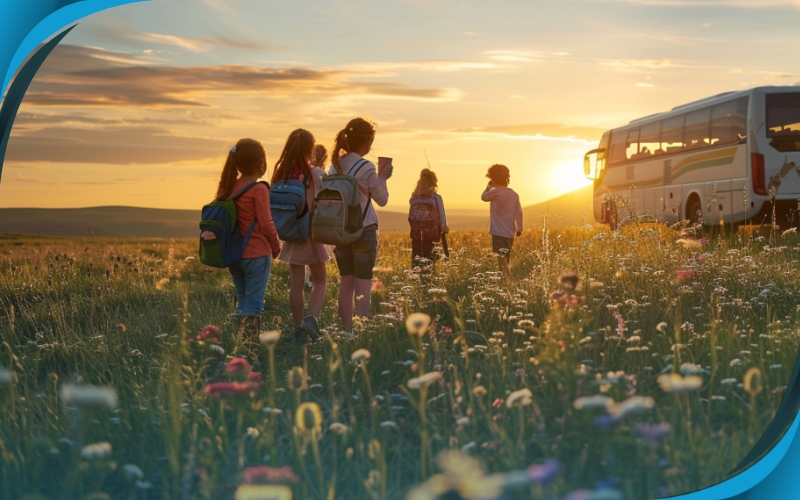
pixel 717 203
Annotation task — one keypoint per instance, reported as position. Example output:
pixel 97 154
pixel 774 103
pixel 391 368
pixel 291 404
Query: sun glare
pixel 567 176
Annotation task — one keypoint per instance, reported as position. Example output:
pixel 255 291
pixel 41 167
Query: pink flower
pixel 237 364
pixel 378 287
pixel 266 474
pixel 208 331
pixel 447 330
pixel 254 376
pixel 685 275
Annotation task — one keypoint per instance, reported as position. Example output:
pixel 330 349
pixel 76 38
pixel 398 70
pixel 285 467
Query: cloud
pixel 541 131
pixel 110 145
pixel 636 64
pixel 203 44
pixel 773 75
pixel 388 68
pixel 521 55
pixel 711 3
pixel 125 81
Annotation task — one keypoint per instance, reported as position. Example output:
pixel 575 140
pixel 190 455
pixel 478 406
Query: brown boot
pixel 250 326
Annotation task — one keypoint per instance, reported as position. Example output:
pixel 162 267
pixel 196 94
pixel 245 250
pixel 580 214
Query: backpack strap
pixel 255 219
pixel 245 188
pixel 357 167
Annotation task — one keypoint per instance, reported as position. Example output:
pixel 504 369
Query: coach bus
pixel 725 159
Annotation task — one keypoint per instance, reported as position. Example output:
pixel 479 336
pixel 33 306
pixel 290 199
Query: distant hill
pixel 154 222
pixel 570 209
pixel 564 210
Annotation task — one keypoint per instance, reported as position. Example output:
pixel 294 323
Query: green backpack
pixel 336 216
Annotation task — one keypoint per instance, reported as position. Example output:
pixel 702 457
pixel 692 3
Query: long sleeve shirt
pixel 255 203
pixel 369 184
pixel 505 211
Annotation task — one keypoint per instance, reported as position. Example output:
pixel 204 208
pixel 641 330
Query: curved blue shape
pixel 17 91
pixel 25 24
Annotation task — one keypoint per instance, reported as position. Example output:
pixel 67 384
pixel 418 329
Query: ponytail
pixel 358 132
pixel 228 177
pixel 427 184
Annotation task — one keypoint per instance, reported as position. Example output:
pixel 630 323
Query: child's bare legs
pixel 297 278
pixel 347 288
pixel 319 284
pixel 363 289
pixel 502 262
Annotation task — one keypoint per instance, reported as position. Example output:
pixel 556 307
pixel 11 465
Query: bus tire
pixel 694 210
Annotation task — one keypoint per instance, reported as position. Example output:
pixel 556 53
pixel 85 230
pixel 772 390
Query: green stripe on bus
pixel 703 164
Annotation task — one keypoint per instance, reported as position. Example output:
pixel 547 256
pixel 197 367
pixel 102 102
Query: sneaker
pixel 310 324
pixel 299 336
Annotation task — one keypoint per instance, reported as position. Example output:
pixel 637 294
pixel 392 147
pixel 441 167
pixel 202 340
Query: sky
pixel 139 105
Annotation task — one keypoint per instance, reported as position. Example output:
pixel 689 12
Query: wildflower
pixel 468 446
pixel 736 362
pixel 207 332
pixel 661 327
pixel 382 270
pixel 269 338
pixel 718 398
pixel 417 324
pixel 690 244
pixel 143 485
pixel 594 285
pixel 691 369
pixel 672 382
pixel 297 379
pixel 462 477
pixel 6 377
pixel 424 380
pixel 479 391
pixel 569 281
pixel 462 421
pixel 224 389
pixel 685 275
pixel 377 287
pixel 360 355
pixel 389 423
pixel 339 428
pixel 88 396
pixel 525 323
pixel 162 283
pixel 237 365
pixel 96 450
pixel 727 381
pixel 631 405
pixel 309 418
pixel 752 381
pixel 266 474
pixel 652 432
pixel 132 471
pixel 253 432
pixel 588 402
pixel 521 397
pixel 218 349
pixel 544 473
pixel 775 367
pixel 438 292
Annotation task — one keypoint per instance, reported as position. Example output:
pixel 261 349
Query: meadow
pixel 634 364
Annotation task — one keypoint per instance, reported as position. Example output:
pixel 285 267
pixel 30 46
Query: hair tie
pixel 233 149
pixel 350 129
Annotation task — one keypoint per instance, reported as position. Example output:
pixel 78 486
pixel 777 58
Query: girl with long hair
pixel 356 260
pixel 245 164
pixel 296 162
pixel 427 217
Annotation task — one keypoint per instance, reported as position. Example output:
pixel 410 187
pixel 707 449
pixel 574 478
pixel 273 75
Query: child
pixel 505 214
pixel 426 217
pixel 356 260
pixel 296 162
pixel 246 163
pixel 320 157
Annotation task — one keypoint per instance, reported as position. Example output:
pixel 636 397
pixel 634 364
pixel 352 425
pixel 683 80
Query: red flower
pixel 208 331
pixel 685 275
pixel 225 389
pixel 237 364
pixel 497 403
pixel 266 474
pixel 254 376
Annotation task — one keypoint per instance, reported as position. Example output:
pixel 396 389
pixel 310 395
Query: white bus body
pixel 717 160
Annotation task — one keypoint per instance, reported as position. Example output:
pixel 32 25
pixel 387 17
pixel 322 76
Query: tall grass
pixel 120 313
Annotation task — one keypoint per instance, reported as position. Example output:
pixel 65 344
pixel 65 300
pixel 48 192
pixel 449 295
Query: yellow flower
pixel 479 391
pixel 263 491
pixel 752 381
pixel 672 382
pixel 297 379
pixel 418 323
pixel 360 355
pixel 521 397
pixel 162 283
pixel 309 418
pixel 424 380
pixel 270 338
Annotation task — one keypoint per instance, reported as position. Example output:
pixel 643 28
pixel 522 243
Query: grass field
pixel 655 376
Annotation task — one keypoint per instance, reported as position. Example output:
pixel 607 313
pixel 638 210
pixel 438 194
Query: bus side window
pixel 696 130
pixel 729 121
pixel 672 134
pixel 632 145
pixel 616 150
pixel 649 140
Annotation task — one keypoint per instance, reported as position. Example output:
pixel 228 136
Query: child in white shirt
pixel 505 214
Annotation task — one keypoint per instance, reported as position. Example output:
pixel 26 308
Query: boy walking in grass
pixel 505 214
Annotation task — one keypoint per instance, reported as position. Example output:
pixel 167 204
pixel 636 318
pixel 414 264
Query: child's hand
pixel 519 233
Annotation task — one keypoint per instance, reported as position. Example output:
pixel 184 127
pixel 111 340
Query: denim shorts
pixel 358 258
pixel 250 276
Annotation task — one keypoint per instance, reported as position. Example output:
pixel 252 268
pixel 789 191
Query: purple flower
pixel 544 473
pixel 653 432
pixel 663 462
pixel 605 421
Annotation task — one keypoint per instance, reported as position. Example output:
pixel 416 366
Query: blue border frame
pixel 766 472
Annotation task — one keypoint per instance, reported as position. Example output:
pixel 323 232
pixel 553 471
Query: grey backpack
pixel 336 216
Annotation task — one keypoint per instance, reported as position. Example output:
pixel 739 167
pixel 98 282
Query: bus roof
pixel 700 103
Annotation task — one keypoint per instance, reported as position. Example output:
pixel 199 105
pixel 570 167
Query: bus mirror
pixel 592 163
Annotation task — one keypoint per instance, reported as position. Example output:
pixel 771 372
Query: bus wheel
pixel 694 211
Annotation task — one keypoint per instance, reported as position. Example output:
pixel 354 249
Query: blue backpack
pixel 287 202
pixel 219 217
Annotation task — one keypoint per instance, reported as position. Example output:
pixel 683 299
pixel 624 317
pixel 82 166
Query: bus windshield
pixel 783 121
